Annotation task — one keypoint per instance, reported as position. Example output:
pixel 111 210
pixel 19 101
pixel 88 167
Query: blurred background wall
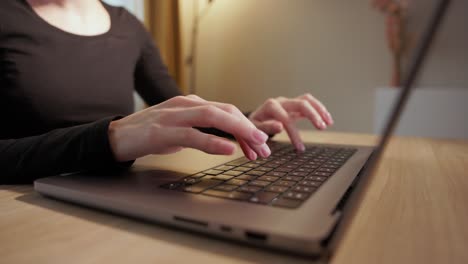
pixel 250 50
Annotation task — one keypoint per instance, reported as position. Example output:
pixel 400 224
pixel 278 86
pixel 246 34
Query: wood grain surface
pixel 415 211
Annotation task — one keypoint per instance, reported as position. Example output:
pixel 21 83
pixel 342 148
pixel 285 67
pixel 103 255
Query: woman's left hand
pixel 281 113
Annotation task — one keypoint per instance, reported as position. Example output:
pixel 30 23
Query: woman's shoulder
pixel 12 7
pixel 125 23
pixel 14 13
pixel 121 15
pixel 11 4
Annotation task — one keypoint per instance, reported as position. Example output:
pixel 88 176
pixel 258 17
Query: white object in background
pixel 136 7
pixel 430 112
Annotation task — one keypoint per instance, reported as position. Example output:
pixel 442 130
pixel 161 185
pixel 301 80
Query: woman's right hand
pixel 168 127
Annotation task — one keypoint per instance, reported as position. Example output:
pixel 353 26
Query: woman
pixel 67 72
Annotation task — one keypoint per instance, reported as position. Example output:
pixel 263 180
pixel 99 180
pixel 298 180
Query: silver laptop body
pixel 137 192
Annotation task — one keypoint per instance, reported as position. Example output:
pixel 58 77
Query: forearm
pixel 84 147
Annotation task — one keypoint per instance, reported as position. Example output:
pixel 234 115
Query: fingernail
pixel 265 150
pixel 300 147
pixel 322 125
pixel 252 155
pixel 259 136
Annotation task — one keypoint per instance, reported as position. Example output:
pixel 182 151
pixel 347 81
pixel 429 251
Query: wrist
pixel 114 139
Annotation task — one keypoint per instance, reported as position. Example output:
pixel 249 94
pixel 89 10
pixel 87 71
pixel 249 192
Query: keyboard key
pixel 243 169
pixel 229 195
pixel 287 203
pixel 249 188
pixel 268 178
pixel 330 166
pixel 259 161
pixel 316 178
pixel 238 162
pixel 256 172
pixel 301 169
pixel 282 169
pixel 213 172
pixel 222 177
pixel 239 196
pixel 259 183
pixel 271 165
pixel 310 183
pixel 298 173
pixel 190 180
pixel 251 165
pixel 198 175
pixel 276 173
pixel 276 188
pixel 266 169
pixel 296 195
pixel 293 178
pixel 297 163
pixel 299 188
pixel 225 187
pixel 323 174
pixel 263 197
pixel 233 173
pixel 236 182
pixel 202 185
pixel 246 177
pixel 279 161
pixel 285 183
pixel 225 167
pixel 322 169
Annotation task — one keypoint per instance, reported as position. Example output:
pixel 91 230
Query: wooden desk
pixel 415 211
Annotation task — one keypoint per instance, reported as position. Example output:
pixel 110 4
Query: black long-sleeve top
pixel 59 91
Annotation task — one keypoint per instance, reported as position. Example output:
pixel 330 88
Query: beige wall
pixel 250 50
pixel 448 62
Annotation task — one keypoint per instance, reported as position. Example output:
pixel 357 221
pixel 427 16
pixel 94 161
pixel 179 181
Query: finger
pixel 305 108
pixel 195 97
pixel 276 111
pixel 293 133
pixel 192 138
pixel 248 151
pixel 262 150
pixel 271 127
pixel 320 108
pixel 212 116
pixel 257 144
pixel 172 150
pixel 181 101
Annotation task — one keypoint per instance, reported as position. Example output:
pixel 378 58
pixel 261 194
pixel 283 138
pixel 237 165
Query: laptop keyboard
pixel 284 179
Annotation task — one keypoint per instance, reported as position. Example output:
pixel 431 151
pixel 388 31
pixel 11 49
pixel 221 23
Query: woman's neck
pixel 82 17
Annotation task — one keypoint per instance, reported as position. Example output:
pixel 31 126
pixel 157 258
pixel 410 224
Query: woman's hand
pixel 168 127
pixel 279 113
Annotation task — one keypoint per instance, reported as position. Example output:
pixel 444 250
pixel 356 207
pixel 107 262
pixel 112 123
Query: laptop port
pixel 256 236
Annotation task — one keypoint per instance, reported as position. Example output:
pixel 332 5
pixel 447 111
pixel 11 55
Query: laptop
pixel 294 202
